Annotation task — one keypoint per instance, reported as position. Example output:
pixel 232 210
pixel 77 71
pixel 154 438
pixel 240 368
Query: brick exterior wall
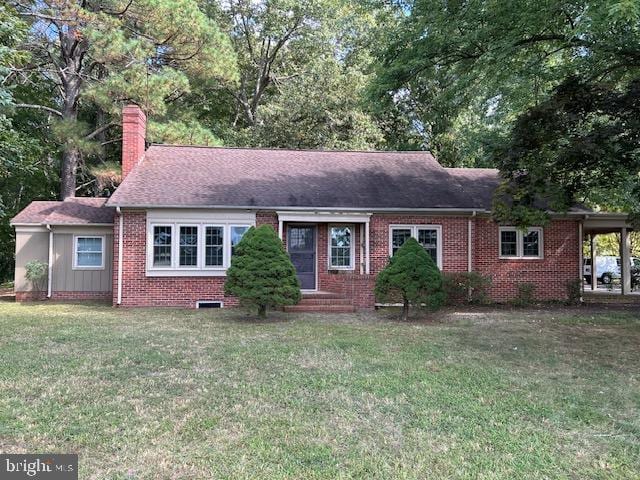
pixel 71 296
pixel 550 274
pixel 138 290
pixel 62 296
pixel 30 296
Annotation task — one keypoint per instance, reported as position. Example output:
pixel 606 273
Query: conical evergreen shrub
pixel 412 277
pixel 261 273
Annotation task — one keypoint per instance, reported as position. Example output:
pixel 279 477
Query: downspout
pixel 469 243
pixel 120 243
pixel 50 266
pixel 367 248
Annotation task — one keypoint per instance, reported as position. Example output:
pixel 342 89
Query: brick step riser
pixel 322 295
pixel 321 308
pixel 325 301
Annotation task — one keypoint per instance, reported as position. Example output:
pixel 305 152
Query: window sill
pixel 527 259
pixel 335 270
pixel 186 273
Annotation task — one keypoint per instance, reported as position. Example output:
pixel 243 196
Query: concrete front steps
pixel 322 302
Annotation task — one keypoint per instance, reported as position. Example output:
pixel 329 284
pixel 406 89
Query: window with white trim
pixel 196 247
pixel 214 246
pixel 162 235
pixel 237 232
pixel 89 252
pixel 341 251
pixel 188 253
pixel 429 236
pixel 515 243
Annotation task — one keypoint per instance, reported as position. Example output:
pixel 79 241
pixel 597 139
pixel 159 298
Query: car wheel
pixel 606 278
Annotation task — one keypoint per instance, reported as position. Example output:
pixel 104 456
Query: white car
pixel 607 268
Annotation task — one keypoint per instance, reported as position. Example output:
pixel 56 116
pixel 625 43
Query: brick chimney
pixel 134 130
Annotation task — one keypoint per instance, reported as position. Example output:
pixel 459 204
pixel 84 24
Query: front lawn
pixel 161 394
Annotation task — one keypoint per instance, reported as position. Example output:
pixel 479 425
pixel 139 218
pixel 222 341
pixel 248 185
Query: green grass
pixel 216 394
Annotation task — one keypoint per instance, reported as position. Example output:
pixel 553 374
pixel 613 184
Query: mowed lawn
pixel 159 394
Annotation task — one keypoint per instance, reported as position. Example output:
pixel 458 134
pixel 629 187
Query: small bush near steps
pixel 466 287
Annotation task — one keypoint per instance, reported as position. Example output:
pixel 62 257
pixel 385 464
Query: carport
pixel 603 223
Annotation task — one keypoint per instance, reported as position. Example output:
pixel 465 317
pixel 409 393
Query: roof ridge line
pixel 277 149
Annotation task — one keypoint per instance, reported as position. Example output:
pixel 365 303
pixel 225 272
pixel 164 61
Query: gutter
pixel 441 210
pixel 120 255
pixel 50 265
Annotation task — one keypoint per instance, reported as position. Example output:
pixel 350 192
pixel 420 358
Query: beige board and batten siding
pixel 31 244
pixel 68 279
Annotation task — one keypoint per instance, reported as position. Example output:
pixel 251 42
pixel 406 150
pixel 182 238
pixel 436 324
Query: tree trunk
pixel 70 156
pixel 405 310
pixel 262 311
pixel 72 53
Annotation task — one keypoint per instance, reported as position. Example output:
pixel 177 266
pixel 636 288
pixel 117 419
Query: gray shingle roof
pixel 184 176
pixel 72 211
pixel 478 184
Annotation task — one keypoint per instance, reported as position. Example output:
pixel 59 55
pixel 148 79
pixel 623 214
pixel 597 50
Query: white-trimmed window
pixel 237 232
pixel 515 243
pixel 214 246
pixel 188 250
pixel 162 240
pixel 88 252
pixel 429 236
pixel 341 247
pixel 191 248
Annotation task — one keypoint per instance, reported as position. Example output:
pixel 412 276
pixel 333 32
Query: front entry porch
pixel 330 251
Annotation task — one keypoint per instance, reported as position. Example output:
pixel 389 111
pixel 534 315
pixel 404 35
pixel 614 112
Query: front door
pixel 301 244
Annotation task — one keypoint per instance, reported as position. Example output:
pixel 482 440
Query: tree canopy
pixel 479 79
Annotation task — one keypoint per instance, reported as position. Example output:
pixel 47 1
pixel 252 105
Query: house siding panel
pixel 30 246
pixel 67 281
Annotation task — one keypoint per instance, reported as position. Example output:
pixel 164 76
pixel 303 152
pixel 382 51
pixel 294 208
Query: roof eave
pixel 290 208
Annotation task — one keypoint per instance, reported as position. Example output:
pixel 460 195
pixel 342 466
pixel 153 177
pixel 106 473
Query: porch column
pixel 366 248
pixel 594 270
pixel 280 227
pixel 581 259
pixel 625 260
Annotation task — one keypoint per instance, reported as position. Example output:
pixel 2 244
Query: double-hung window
pixel 162 236
pixel 515 243
pixel 214 246
pixel 88 252
pixel 429 236
pixel 188 252
pixel 341 247
pixel 195 248
pixel 237 232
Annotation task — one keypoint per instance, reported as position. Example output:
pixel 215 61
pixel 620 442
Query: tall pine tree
pixel 98 55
